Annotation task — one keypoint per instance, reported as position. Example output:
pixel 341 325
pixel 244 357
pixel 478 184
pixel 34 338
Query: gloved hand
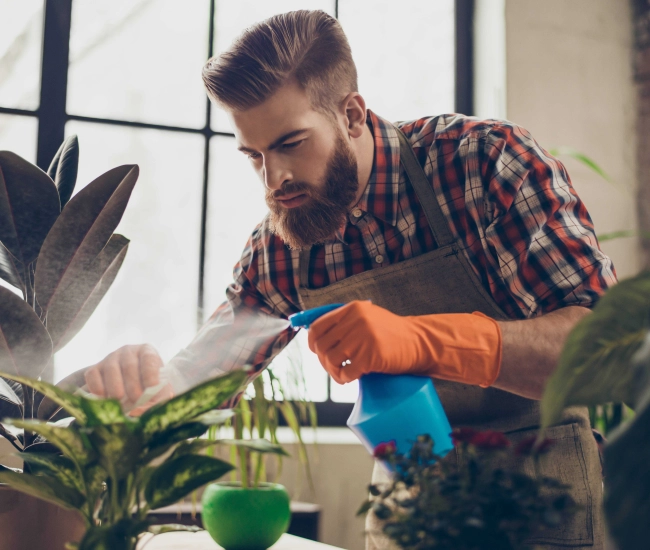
pixel 361 337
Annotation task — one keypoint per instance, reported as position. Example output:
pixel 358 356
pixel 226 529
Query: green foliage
pixel 432 502
pixel 596 365
pixel 111 467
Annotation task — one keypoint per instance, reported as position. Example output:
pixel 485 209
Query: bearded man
pixel 459 245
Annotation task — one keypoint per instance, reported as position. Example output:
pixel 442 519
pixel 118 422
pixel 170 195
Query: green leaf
pixel 118 447
pixel 25 345
pixel 192 403
pixel 44 488
pixel 59 467
pixel 173 527
pixel 215 417
pixel 82 231
pixel 627 480
pixel 70 384
pixel 582 158
pixel 70 402
pixel 68 440
pixel 177 478
pixel 102 411
pixel 596 363
pixel 70 309
pixel 119 536
pixel 29 206
pixel 165 441
pixel 63 168
pixel 256 445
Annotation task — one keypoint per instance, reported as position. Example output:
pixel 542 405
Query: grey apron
pixel 442 281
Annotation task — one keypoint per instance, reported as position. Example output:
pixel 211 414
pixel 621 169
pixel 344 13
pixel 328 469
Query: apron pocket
pixel 565 461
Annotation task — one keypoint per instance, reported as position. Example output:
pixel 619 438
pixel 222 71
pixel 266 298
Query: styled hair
pixel 308 47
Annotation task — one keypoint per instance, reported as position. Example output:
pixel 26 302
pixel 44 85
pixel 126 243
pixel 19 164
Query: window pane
pixel 139 60
pixel 235 206
pixel 21 32
pixel 18 134
pixel 232 18
pixel 154 296
pixel 404 52
pixel 346 393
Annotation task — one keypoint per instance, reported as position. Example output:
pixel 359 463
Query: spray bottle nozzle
pixel 305 318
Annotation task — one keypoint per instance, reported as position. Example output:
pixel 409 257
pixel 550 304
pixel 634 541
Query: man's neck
pixel 365 159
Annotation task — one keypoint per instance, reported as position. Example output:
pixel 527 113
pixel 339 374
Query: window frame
pixel 52 118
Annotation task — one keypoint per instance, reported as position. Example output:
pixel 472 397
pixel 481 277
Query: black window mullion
pixel 464 81
pixel 54 79
pixel 206 177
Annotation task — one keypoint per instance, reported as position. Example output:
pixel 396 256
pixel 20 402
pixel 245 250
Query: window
pixel 133 94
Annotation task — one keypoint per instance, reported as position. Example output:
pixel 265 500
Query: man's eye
pixel 253 155
pixel 292 145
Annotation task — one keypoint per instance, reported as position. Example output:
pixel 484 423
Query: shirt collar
pixel 381 196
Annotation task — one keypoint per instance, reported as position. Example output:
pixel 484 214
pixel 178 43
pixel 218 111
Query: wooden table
pixel 203 541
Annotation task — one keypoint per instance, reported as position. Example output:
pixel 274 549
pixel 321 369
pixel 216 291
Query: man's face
pixel 305 163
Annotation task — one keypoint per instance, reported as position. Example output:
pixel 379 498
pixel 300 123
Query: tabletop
pixel 203 541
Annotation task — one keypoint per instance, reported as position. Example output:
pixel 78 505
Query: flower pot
pixel 27 523
pixel 245 519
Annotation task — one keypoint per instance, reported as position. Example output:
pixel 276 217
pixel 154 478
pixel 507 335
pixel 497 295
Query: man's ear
pixel 354 107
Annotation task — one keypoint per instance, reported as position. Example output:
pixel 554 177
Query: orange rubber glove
pixel 361 337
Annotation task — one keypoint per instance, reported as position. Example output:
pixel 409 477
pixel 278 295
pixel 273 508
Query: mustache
pixel 289 189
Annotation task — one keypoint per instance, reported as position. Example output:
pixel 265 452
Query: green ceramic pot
pixel 245 519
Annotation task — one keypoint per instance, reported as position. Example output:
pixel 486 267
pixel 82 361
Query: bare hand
pixel 126 373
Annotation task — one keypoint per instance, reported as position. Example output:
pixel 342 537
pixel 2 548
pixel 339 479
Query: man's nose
pixel 275 174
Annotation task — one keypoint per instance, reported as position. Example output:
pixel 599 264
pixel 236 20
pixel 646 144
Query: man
pixel 460 245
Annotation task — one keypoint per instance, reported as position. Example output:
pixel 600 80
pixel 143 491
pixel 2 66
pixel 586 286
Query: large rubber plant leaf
pixel 596 362
pixel 71 308
pixel 29 206
pixel 25 345
pixel 11 269
pixel 194 402
pixel 627 480
pixel 82 230
pixel 67 400
pixel 177 478
pixel 43 487
pixel 167 439
pixel 70 442
pixel 54 465
pixel 63 168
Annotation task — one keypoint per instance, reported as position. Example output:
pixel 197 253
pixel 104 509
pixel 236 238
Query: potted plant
pixel 250 511
pixel 61 255
pixel 113 469
pixel 606 359
pixel 432 503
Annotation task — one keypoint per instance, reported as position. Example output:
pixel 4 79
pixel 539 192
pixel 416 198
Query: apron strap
pixel 424 191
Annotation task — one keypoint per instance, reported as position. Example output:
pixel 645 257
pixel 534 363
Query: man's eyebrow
pixel 277 142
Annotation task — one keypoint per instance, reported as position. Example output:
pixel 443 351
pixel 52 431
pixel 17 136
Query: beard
pixel 326 208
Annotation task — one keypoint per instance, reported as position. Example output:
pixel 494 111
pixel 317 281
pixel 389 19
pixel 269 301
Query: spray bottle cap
pixel 307 317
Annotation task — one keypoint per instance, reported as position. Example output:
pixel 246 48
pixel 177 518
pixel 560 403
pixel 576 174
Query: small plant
pixel 62 256
pixel 113 468
pixel 432 503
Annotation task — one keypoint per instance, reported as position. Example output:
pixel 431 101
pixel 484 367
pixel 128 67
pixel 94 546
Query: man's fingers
pixel 130 367
pixel 95 381
pixel 150 365
pixel 113 382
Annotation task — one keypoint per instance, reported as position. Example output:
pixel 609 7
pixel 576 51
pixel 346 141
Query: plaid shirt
pixel 509 204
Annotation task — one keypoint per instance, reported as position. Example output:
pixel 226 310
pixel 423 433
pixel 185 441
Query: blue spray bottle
pixel 392 407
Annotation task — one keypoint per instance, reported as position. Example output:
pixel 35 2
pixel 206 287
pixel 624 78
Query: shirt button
pixel 357 212
pixel 379 258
